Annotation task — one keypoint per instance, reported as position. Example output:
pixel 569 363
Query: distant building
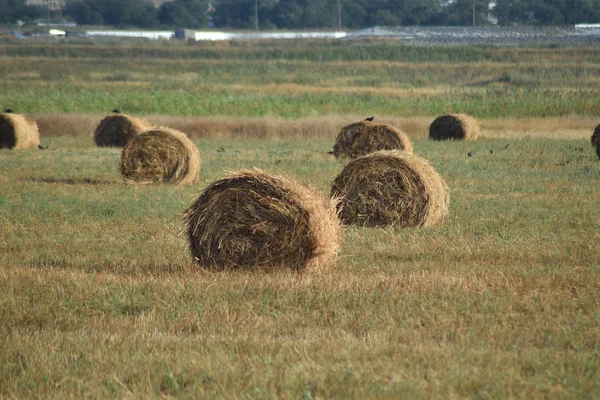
pixel 52 5
pixel 158 3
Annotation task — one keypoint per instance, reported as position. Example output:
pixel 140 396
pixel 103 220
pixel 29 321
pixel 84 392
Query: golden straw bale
pixel 17 132
pixel 454 126
pixel 117 130
pixel 254 220
pixel 161 155
pixel 390 188
pixel 366 137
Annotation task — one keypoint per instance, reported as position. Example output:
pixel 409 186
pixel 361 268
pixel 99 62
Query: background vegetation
pixel 300 79
pixel 99 296
pixel 301 14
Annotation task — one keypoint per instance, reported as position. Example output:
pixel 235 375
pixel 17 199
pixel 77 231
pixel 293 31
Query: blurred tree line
pixel 307 14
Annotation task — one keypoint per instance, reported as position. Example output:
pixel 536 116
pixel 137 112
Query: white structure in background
pixel 133 34
pixel 217 35
pixel 214 35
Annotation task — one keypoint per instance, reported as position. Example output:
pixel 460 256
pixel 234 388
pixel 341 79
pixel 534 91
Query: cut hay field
pixel 99 297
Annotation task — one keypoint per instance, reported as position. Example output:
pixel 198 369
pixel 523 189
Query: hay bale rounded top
pixel 161 155
pixel 17 132
pixel 390 188
pixel 366 137
pixel 254 220
pixel 117 130
pixel 454 126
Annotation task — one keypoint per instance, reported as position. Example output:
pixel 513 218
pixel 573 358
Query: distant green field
pixel 301 80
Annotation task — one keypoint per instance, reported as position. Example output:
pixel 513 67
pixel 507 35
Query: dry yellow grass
pixel 575 127
pixel 499 301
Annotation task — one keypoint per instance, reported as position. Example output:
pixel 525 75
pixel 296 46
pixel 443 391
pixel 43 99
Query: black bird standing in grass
pixel 8 111
pixel 370 118
pixel 116 111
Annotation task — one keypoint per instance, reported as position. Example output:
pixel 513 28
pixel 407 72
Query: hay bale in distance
pixel 454 126
pixel 117 130
pixel 390 188
pixel 161 155
pixel 16 132
pixel 596 136
pixel 254 220
pixel 596 140
pixel 366 137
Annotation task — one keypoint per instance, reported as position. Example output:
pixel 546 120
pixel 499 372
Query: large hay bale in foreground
pixel 390 188
pixel 161 155
pixel 454 126
pixel 16 132
pixel 117 130
pixel 253 220
pixel 366 137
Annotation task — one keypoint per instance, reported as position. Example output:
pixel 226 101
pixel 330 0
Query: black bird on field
pixel 116 111
pixel 42 147
pixel 469 154
pixel 8 111
pixel 370 118
pixel 491 151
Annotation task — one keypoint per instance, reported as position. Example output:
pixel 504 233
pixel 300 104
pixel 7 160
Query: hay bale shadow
pixel 68 181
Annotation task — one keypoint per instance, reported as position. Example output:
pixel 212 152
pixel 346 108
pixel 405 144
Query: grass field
pixel 99 297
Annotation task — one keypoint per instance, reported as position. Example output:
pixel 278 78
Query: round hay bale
pixel 366 137
pixel 596 140
pixel 254 220
pixel 161 155
pixel 390 188
pixel 17 132
pixel 454 126
pixel 117 130
pixel 596 136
